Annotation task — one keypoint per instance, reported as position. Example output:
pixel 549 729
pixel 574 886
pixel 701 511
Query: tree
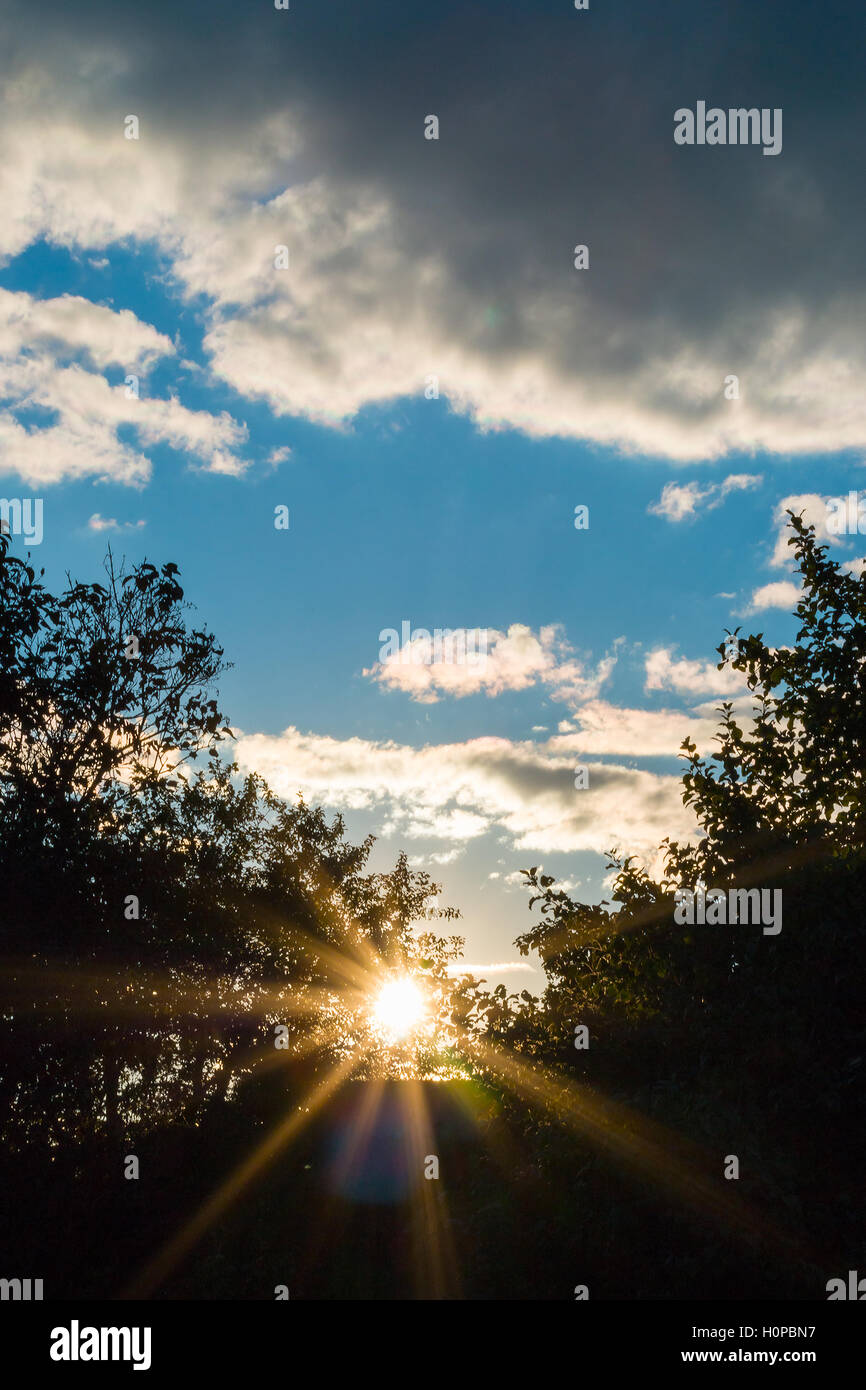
pixel 160 918
pixel 102 678
pixel 781 805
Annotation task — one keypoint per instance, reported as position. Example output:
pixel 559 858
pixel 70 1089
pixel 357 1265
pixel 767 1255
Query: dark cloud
pixel 556 127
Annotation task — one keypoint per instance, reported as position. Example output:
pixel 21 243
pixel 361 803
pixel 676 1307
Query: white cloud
pixel 40 344
pixel 666 672
pixel 400 267
pixel 815 513
pixel 440 856
pixel 490 664
pixel 781 594
pixel 463 790
pixel 101 523
pixel 515 879
pixel 70 322
pixel 680 501
pixel 638 733
pixel 742 706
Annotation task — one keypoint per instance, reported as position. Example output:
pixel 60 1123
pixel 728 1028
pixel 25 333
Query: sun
pixel 399 1008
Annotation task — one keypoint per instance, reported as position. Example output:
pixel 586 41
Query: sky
pixel 237 276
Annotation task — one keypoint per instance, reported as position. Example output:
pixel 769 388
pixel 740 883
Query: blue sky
pixel 306 388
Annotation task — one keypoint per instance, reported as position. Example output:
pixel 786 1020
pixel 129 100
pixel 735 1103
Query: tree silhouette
pixel 744 1040
pixel 160 918
pixel 163 914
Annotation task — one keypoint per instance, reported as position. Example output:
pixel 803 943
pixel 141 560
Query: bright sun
pixel 399 1008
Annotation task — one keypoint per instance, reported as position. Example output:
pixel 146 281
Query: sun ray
pixel 161 1265
pixel 665 1157
pixel 434 1255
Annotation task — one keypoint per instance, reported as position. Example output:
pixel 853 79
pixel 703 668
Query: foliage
pixel 742 1040
pixel 255 912
pixel 159 918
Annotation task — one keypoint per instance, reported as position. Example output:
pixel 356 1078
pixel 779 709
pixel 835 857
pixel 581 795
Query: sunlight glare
pixel 399 1008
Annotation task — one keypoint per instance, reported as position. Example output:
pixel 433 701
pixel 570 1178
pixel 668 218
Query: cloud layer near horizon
pixel 460 791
